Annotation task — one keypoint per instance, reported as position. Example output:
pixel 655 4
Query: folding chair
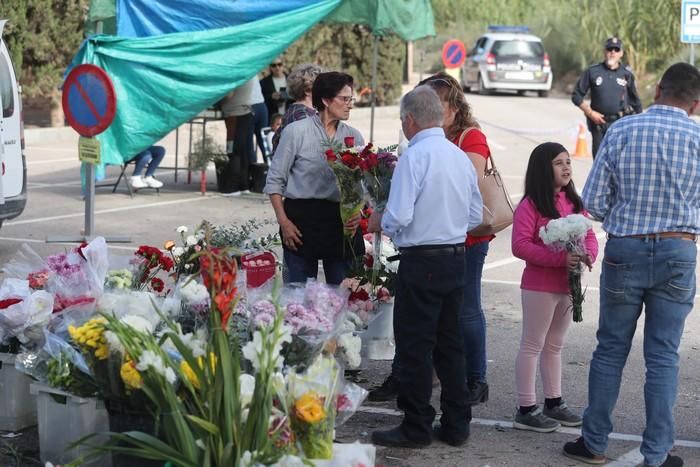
pixel 123 175
pixel 267 143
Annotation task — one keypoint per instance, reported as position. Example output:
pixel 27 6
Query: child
pixel 549 194
pixel 275 124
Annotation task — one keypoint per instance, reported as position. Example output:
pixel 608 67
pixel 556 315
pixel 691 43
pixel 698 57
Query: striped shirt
pixel 646 175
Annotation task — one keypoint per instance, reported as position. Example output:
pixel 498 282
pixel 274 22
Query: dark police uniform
pixel 613 94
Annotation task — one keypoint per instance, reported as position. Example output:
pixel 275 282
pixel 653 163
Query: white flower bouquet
pixel 568 234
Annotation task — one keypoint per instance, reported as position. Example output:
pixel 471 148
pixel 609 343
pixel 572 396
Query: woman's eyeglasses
pixel 346 99
pixel 275 64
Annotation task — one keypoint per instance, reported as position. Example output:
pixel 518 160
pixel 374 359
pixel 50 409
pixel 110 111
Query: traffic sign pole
pixel 89 104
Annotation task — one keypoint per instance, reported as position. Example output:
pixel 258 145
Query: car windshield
pixel 518 48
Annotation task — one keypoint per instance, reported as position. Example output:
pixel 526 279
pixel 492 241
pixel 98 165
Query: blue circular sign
pixel 88 100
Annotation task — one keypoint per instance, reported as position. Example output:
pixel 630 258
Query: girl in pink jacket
pixel 546 301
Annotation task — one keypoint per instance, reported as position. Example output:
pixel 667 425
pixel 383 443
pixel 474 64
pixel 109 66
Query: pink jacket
pixel 545 270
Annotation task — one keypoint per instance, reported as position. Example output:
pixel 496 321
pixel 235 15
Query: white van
pixel 13 182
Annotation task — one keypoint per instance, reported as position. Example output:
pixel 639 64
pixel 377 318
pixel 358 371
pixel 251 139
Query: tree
pixel 348 48
pixel 43 36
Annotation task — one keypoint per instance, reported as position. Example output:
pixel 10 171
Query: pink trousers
pixel 546 318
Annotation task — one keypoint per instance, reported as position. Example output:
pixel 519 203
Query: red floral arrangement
pixel 153 261
pixel 218 271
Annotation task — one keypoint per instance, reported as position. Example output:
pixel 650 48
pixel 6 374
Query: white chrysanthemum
pixel 191 240
pixel 572 228
pixel 351 346
pixel 196 342
pixel 178 251
pixel 182 229
pixel 194 292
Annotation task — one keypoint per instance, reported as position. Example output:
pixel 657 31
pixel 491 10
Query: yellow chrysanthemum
pixel 309 408
pixel 91 336
pixel 130 375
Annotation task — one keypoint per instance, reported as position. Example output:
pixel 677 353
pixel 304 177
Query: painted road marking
pixel 507 424
pixel 107 211
pixel 36 240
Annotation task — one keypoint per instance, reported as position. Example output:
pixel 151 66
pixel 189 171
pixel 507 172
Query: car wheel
pixel 521 92
pixel 543 93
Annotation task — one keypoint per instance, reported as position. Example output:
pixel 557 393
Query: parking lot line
pixel 107 211
pixel 507 424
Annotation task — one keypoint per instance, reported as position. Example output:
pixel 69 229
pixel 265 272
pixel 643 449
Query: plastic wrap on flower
pixel 314 312
pixel 77 276
pixel 66 368
pixel 313 407
pixel 350 397
pixel 26 263
pixel 24 313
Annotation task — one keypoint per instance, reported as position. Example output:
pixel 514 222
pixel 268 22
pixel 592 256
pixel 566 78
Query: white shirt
pixel 239 101
pixel 256 95
pixel 434 197
pixel 280 82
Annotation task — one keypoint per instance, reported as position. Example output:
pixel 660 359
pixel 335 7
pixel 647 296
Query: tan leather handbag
pixel 498 209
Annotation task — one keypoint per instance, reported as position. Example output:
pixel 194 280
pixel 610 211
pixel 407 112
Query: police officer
pixel 613 92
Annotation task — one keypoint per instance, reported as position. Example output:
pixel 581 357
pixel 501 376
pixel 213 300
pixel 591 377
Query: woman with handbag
pixel 462 129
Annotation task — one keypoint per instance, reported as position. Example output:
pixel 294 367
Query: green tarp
pixel 163 81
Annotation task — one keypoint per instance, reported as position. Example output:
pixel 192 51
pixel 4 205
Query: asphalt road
pixel 513 125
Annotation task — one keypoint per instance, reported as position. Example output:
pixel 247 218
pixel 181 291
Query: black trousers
pixel 429 294
pixel 240 158
pixel 597 133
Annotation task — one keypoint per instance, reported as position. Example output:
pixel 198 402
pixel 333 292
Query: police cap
pixel 613 42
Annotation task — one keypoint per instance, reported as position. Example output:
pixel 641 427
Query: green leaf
pixel 205 425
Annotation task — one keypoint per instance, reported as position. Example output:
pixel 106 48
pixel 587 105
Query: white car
pixel 13 182
pixel 507 58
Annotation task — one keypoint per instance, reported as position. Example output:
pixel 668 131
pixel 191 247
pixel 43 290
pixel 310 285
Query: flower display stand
pixel 378 338
pixel 64 419
pixel 353 454
pixel 122 419
pixel 17 405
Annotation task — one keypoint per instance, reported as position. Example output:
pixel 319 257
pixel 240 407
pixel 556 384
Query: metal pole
pixel 692 54
pixel 89 201
pixel 375 58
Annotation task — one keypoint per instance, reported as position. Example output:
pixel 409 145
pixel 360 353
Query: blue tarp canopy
pixel 171 59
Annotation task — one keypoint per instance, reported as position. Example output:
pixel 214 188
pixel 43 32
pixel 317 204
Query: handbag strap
pixel 488 159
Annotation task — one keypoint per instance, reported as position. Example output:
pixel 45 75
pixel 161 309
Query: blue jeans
pixel 658 274
pixel 471 315
pixel 152 157
pixel 260 121
pixel 299 269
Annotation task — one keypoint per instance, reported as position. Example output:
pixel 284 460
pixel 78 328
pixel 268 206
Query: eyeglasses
pixel 346 99
pixel 613 49
pixel 275 64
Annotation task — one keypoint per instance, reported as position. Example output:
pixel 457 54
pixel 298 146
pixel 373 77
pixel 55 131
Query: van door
pixel 10 126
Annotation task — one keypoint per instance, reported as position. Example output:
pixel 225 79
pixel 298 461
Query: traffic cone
pixel 581 146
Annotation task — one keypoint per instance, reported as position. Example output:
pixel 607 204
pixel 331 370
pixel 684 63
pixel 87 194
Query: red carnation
pixel 349 141
pixel 8 302
pixel 358 295
pixel 157 284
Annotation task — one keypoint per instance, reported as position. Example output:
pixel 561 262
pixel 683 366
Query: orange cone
pixel 581 146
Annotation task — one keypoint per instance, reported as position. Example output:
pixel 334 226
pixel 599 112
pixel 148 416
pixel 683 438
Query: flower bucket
pixel 17 405
pixel 224 177
pixel 123 418
pixel 378 338
pixel 77 417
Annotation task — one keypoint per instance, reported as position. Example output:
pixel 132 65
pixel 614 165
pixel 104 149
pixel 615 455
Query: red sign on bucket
pixel 259 267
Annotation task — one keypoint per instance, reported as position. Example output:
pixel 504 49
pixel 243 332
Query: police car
pixel 13 182
pixel 507 58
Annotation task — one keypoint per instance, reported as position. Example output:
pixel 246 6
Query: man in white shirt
pixel 434 200
pixel 237 110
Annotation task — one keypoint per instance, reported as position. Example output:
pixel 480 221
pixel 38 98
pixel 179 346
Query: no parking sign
pixel 88 100
pixel 453 53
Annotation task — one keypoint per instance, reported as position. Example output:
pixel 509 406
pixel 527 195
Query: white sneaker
pixel 138 182
pixel 152 182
